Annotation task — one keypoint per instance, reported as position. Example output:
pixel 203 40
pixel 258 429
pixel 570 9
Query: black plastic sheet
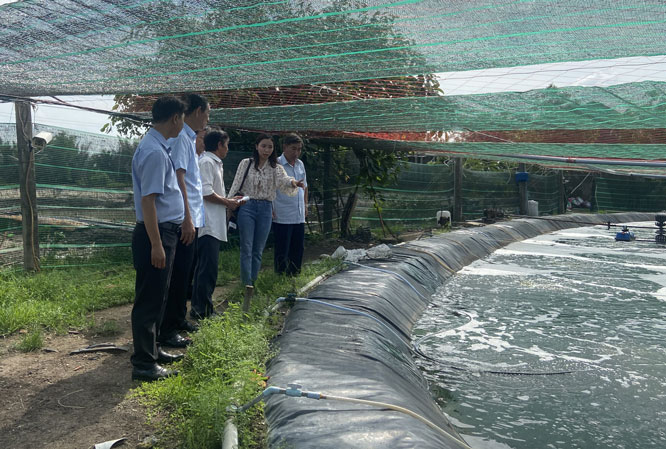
pixel 346 354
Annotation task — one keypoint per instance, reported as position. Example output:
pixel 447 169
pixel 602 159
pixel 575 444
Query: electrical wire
pixel 58 102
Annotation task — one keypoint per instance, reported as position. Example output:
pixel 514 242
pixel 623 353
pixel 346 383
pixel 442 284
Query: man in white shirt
pixel 185 162
pixel 216 144
pixel 289 212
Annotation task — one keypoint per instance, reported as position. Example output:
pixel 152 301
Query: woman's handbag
pixel 233 214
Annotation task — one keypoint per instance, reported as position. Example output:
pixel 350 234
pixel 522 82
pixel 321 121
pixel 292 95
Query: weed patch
pixel 32 341
pixel 224 367
pixel 58 299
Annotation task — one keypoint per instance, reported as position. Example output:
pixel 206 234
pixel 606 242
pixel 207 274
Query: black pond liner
pixel 341 353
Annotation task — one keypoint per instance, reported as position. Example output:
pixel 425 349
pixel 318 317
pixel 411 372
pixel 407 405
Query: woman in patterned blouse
pixel 260 181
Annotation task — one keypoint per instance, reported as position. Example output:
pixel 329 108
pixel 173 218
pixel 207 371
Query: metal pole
pixel 27 186
pixel 457 189
pixel 522 192
pixel 561 207
pixel 328 191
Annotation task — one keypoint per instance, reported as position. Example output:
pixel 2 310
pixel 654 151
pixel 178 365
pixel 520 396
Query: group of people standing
pixel 181 209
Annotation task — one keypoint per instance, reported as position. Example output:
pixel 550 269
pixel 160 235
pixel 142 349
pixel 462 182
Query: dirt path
pixel 51 399
pixel 59 401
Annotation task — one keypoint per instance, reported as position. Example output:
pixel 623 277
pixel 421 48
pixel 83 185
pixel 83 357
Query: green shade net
pixel 626 106
pixel 131 46
pixel 511 151
pixel 423 190
pixel 85 203
pixel 621 193
pixel 420 191
pixel 84 193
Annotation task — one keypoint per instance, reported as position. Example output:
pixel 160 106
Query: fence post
pixel 561 208
pixel 27 186
pixel 328 192
pixel 522 192
pixel 457 189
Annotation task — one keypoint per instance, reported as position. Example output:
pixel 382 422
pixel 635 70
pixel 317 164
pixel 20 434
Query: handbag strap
pixel 247 170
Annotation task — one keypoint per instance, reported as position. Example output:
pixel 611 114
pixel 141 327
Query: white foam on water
pixel 546 316
pixel 485 443
pixel 660 294
pixel 487 269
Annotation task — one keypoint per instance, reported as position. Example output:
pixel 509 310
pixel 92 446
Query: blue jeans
pixel 254 224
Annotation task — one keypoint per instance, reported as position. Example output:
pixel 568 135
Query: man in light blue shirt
pixel 289 212
pixel 159 214
pixel 186 164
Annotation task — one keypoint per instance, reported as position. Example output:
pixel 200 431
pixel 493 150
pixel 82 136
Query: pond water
pixel 554 342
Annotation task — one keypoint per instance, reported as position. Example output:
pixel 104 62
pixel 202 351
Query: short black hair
pixel 194 102
pixel 291 138
pixel 166 107
pixel 212 138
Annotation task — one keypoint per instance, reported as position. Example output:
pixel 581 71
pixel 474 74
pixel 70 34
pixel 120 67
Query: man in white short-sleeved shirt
pixel 216 145
pixel 289 212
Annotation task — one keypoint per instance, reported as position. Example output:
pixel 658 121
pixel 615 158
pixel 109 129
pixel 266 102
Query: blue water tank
pixel 522 176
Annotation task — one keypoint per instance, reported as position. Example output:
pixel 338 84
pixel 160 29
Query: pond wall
pixel 339 352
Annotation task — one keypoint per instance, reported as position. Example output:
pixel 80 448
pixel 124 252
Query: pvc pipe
pixel 309 286
pixel 583 160
pixel 397 408
pixel 230 436
pixel 294 390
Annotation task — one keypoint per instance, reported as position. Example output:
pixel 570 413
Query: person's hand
pixel 187 231
pixel 232 204
pixel 239 200
pixel 298 184
pixel 158 257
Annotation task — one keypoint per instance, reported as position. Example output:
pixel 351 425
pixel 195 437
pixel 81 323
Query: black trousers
pixel 152 285
pixel 208 255
pixel 289 247
pixel 176 305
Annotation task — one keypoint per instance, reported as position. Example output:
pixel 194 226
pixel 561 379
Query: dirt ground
pixel 51 399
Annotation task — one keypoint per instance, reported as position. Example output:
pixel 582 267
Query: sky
pixel 587 73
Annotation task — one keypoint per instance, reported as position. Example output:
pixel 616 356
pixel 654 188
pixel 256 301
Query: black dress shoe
pixel 165 357
pixel 156 372
pixel 187 326
pixel 176 341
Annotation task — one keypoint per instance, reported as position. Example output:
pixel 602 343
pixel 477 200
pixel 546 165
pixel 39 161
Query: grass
pixel 56 299
pixel 109 328
pixel 224 366
pixel 31 341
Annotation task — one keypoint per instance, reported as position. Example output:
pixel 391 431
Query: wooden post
pixel 457 189
pixel 328 191
pixel 27 186
pixel 561 204
pixel 522 192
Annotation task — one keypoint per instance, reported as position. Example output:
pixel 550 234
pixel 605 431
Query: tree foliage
pixel 378 168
